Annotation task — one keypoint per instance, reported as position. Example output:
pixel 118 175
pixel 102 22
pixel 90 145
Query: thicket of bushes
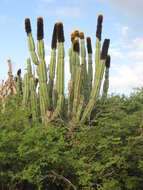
pixel 107 155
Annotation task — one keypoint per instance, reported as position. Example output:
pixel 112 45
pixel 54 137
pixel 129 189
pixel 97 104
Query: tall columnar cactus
pixel 71 81
pixel 52 65
pixel 106 80
pixel 41 65
pixel 84 67
pixel 90 69
pixel 99 62
pixel 60 72
pixel 78 78
pixel 83 91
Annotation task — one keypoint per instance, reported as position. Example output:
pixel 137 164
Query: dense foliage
pixel 107 155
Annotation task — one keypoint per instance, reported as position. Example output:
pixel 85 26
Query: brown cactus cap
pixel 108 60
pixel 40 31
pixel 99 26
pixel 19 72
pixel 105 48
pixel 60 32
pixel 76 33
pixel 81 35
pixel 76 45
pixel 89 46
pixel 54 38
pixel 27 26
pixel 72 36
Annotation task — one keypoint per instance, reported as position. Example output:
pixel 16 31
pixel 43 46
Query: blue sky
pixel 122 24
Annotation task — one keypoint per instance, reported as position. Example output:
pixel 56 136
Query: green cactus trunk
pixel 106 84
pixel 84 70
pixel 71 81
pixel 106 80
pixel 59 111
pixel 60 88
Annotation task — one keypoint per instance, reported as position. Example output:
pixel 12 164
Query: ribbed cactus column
pixel 41 65
pixel 84 70
pixel 71 81
pixel 98 44
pixel 78 78
pixel 106 80
pixel 90 69
pixel 60 72
pixel 52 65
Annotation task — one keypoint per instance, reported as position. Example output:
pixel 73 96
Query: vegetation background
pixel 105 155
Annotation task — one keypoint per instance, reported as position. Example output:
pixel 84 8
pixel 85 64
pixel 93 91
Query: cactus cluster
pixel 45 96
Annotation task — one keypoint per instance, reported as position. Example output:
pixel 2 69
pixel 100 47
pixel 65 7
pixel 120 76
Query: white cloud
pixel 124 31
pixel 127 69
pixel 128 7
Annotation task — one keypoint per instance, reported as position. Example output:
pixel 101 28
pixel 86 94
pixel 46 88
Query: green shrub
pixel 106 155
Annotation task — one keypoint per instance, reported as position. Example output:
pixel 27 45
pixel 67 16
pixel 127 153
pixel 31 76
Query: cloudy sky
pixel 122 24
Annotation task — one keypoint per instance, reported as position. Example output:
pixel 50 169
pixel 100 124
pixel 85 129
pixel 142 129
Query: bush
pixel 106 155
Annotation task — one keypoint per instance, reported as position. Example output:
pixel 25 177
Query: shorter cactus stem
pixel 106 80
pixel 18 82
pixel 70 97
pixel 33 99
